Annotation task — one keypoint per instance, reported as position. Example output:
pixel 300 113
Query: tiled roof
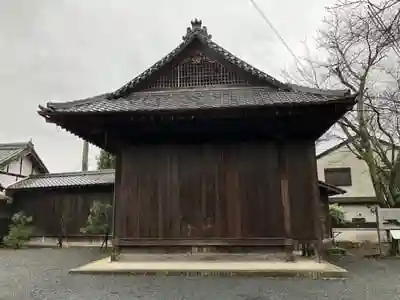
pixel 11 151
pixel 128 98
pixel 72 179
pixel 221 97
pixel 90 178
pixel 200 33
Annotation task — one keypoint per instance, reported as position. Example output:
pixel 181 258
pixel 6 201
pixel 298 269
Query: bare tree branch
pixel 360 43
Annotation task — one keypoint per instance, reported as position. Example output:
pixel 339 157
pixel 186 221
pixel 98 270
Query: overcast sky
pixel 61 50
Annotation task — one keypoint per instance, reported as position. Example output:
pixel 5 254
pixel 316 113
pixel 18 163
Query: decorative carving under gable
pixel 197 70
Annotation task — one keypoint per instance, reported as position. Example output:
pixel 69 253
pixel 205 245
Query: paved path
pixel 43 274
pixel 216 264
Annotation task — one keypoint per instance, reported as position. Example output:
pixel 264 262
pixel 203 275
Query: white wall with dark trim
pixel 343 157
pixel 21 166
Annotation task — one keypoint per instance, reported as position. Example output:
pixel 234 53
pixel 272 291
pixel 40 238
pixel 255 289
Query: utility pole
pixel 85 156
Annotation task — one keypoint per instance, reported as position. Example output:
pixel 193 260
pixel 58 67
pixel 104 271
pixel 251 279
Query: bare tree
pixel 360 51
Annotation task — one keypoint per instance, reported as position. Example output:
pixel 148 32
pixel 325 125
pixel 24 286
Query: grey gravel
pixel 43 274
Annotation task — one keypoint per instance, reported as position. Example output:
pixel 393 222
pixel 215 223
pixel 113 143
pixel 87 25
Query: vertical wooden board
pixel 115 225
pixel 130 208
pixel 283 174
pixel 161 196
pixel 300 190
pixel 150 209
pixel 259 198
pixel 324 202
pixel 317 211
pixel 248 170
pixel 209 197
pixel 241 166
pixel 162 200
pixel 222 206
pixel 46 207
pixel 174 199
pixel 269 189
pixel 232 190
pixel 220 190
pixel 188 192
pixel 123 195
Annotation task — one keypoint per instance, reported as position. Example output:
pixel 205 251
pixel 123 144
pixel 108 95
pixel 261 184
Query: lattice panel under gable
pixel 197 71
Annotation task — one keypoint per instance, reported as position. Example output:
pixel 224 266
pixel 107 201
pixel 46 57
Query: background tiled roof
pixel 72 179
pixel 9 151
pixel 194 99
pixel 90 178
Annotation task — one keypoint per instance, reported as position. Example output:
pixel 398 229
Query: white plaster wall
pixel 358 211
pixel 358 235
pixel 344 158
pixel 14 167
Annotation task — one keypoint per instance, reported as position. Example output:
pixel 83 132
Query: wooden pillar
pixel 315 201
pixel 284 185
pixel 115 240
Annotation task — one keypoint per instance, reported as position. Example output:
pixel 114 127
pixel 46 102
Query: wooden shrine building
pixel 210 150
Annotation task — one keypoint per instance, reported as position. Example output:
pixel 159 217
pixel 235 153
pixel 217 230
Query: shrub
pixel 98 221
pixel 337 213
pixel 19 232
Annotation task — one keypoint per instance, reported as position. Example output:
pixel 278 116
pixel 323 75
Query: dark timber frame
pixel 210 151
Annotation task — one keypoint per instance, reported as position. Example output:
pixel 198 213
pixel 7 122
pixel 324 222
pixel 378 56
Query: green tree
pixel 98 221
pixel 337 213
pixel 105 160
pixel 20 231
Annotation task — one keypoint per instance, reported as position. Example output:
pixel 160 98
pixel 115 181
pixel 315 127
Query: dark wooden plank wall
pixel 301 183
pixel 212 191
pixel 46 206
pixel 325 217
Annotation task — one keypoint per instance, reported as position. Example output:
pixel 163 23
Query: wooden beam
pixel 20 164
pixel 150 242
pixel 284 182
pixel 13 174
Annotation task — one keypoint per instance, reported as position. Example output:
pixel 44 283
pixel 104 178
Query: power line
pixel 262 14
pixel 386 30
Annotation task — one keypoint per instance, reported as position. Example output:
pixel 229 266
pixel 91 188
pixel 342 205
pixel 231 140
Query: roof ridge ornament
pixel 196 29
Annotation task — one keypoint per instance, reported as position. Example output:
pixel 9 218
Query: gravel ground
pixel 43 274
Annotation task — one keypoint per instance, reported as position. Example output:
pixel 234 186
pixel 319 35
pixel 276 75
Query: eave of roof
pixel 195 99
pixel 92 178
pixel 354 200
pixel 331 189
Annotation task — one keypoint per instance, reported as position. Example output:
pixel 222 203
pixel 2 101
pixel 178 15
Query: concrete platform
pixel 145 265
pixel 46 242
